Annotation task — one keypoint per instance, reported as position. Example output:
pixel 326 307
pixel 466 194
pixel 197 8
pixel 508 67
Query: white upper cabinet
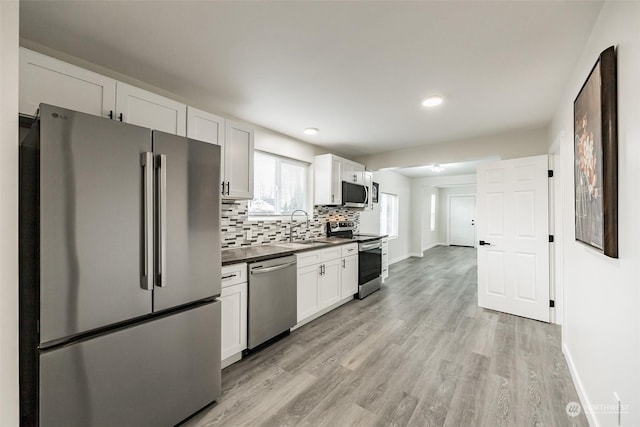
pixel 237 152
pixel 205 126
pixel 48 80
pixel 368 182
pixel 327 180
pixel 143 108
pixel 352 172
pixel 236 140
pixel 329 172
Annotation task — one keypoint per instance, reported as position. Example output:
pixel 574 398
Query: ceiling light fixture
pixel 311 131
pixel 436 168
pixel 432 101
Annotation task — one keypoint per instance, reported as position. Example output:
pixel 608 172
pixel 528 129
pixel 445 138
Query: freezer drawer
pixel 152 374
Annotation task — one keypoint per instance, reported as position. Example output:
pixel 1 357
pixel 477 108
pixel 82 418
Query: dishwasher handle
pixel 259 270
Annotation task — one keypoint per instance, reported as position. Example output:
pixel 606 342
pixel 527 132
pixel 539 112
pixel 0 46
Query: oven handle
pixel 368 246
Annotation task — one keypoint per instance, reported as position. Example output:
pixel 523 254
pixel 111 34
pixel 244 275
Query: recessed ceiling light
pixel 311 131
pixel 436 168
pixel 432 101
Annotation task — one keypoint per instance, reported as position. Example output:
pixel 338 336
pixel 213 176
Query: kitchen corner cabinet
pixel 237 153
pixel 143 108
pixel 234 312
pixel 47 80
pixel 385 258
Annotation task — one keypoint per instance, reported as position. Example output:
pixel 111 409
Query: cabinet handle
pixel 228 182
pixel 121 117
pixel 332 197
pixel 229 276
pixel 111 114
pixel 344 263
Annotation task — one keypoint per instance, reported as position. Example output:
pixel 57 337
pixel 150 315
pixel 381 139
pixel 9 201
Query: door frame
pixel 475 205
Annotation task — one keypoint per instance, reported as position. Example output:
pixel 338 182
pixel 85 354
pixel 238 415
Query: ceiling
pixel 450 169
pixel 358 71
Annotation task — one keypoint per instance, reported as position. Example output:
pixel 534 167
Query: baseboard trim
pixel 402 258
pixel 322 312
pixel 433 245
pixel 582 394
pixel 231 360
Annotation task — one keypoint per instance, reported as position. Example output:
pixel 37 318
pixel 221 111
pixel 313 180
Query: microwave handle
pixel 366 195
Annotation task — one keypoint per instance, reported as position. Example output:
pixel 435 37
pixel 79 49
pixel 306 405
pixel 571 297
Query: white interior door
pixel 513 229
pixel 462 215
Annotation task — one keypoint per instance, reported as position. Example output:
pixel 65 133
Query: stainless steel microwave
pixel 354 195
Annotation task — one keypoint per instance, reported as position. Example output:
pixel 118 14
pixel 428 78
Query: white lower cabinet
pixel 308 278
pixel 349 276
pixel 234 313
pixel 326 278
pixel 329 283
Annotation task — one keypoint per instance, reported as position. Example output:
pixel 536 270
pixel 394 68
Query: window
pixel 433 212
pixel 389 214
pixel 280 185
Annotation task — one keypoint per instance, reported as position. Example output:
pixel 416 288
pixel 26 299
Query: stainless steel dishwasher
pixel 272 299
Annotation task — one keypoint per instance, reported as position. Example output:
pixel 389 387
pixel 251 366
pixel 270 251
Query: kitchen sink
pixel 303 244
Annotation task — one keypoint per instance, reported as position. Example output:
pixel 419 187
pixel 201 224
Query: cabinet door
pixel 385 258
pixel 349 275
pixel 45 79
pixel 308 291
pixel 348 172
pixel 238 161
pixel 147 109
pixel 368 182
pixel 205 126
pixel 234 319
pixel 336 181
pixel 358 173
pixel 329 283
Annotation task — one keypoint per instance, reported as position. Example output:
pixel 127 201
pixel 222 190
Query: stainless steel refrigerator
pixel 119 273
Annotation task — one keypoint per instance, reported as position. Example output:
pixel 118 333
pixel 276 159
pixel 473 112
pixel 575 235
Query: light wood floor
pixel 417 353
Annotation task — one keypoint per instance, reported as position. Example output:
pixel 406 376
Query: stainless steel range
pixel 369 255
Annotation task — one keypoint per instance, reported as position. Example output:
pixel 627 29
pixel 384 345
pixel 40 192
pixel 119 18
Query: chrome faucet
pixel 291 226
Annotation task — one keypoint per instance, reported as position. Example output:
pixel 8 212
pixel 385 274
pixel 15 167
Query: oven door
pixel 369 261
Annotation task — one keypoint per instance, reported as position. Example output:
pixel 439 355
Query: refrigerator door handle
pixel 146 279
pixel 162 220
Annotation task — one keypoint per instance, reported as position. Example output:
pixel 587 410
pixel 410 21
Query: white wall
pixel 601 325
pixel 508 145
pixel 8 213
pixel 400 185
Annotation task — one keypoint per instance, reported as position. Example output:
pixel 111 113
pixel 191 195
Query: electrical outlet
pixel 619 403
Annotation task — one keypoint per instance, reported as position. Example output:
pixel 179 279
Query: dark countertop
pixel 275 250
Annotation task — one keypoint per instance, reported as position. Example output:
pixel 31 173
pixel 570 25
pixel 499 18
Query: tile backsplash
pixel 235 223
